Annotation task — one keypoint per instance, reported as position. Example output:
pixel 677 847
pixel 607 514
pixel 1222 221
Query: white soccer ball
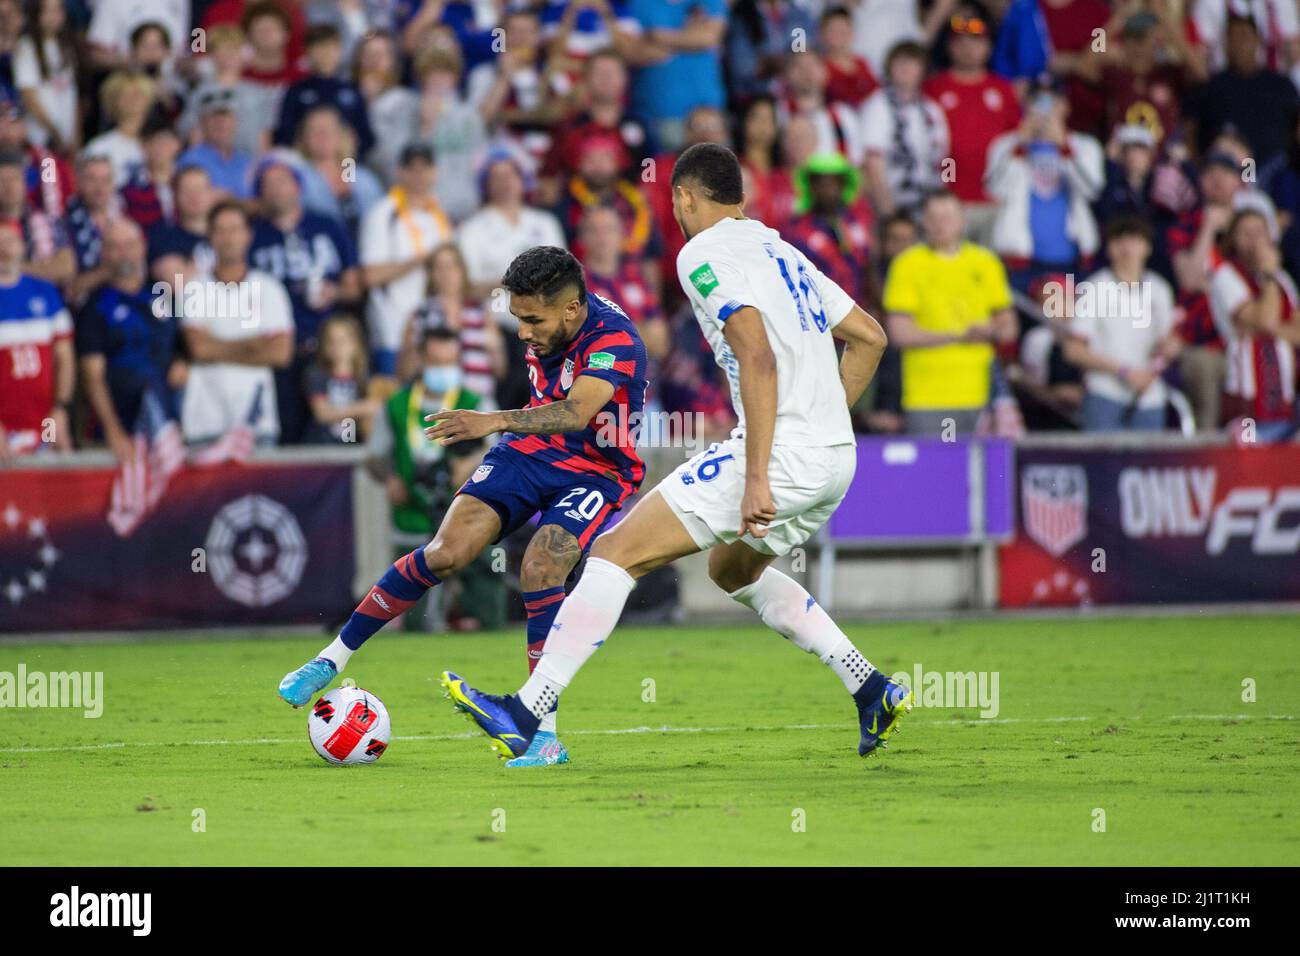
pixel 349 725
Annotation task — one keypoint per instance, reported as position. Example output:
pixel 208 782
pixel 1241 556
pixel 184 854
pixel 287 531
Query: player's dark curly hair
pixel 545 271
pixel 714 170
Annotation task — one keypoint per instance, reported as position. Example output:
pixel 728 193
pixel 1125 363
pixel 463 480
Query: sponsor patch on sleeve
pixel 704 280
pixel 603 360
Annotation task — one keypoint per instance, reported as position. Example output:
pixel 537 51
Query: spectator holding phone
pixel 1044 177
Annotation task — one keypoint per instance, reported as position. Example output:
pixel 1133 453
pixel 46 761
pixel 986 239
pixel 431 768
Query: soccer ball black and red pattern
pixel 349 725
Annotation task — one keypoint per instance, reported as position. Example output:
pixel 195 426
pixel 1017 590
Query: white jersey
pixel 741 262
pixel 220 395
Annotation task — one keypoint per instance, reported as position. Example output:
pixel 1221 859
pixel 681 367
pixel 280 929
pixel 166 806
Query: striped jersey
pixel 608 347
pixel 32 319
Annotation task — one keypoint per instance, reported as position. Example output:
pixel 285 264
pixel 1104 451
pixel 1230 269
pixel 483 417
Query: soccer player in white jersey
pixel 771 318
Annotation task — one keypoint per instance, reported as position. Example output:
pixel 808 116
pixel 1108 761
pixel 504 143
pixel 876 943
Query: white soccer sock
pixel 788 609
pixel 587 616
pixel 338 652
pixel 548 723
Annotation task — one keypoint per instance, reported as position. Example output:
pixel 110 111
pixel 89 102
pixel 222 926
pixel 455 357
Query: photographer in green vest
pixel 421 477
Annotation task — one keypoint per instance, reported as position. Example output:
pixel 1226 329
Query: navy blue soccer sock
pixel 542 606
pixel 401 586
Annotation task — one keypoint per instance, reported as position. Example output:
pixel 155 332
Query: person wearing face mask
pixel 442 379
pixel 421 477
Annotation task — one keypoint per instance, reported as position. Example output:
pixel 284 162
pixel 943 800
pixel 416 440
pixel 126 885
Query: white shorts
pixel 808 484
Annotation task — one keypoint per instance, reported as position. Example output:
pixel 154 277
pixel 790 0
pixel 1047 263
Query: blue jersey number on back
pixel 807 300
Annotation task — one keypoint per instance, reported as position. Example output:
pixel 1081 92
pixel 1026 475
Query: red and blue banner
pixel 1100 526
pixel 251 544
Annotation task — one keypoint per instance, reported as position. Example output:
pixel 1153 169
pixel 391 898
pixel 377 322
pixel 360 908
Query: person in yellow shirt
pixel 947 303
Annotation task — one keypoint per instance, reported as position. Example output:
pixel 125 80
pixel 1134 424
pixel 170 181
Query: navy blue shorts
pixel 517 487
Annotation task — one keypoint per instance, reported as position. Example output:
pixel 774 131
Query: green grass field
pixel 1143 719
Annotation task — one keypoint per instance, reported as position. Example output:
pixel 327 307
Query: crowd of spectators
pixel 284 213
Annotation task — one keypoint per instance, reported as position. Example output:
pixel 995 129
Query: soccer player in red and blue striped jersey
pixel 570 456
pixel 607 349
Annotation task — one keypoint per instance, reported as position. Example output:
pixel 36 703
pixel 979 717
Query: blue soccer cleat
pixel 879 715
pixel 490 712
pixel 298 686
pixel 545 751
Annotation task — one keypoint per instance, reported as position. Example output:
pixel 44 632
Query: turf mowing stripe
pixel 954 722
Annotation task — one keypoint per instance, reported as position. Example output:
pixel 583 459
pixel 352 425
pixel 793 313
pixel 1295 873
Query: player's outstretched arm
pixel 747 337
pixel 864 344
pixel 587 397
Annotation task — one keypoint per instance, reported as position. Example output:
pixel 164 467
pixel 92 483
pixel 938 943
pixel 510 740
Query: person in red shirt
pixel 848 76
pixel 601 106
pixel 980 107
pixel 798 145
pixel 621 278
pixel 704 124
pixel 759 137
pixel 50 179
pixel 1072 26
pixel 277 58
pixel 235 13
pixel 1254 303
pixel 1194 243
pixel 37 364
pixel 1143 78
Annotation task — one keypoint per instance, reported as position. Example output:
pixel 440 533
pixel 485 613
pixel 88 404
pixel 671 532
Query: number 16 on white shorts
pixel 807 482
